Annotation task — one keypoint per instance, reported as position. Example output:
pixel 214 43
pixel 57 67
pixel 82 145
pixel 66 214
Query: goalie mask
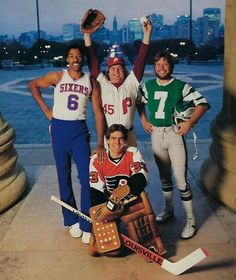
pixel 183 111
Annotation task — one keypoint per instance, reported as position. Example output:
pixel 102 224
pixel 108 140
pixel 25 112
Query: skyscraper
pixel 135 30
pixel 71 31
pixel 182 27
pixel 115 34
pixel 213 17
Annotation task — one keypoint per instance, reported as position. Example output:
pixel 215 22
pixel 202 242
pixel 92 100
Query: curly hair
pixel 74 46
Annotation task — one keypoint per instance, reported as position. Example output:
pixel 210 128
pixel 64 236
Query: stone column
pixel 218 172
pixel 13 179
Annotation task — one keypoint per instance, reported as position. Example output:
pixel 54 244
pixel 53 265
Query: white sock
pixel 168 199
pixel 188 206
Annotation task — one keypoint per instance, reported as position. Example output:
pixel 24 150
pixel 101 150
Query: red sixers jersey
pixel 108 175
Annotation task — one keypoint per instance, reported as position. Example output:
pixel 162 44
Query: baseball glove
pixel 92 21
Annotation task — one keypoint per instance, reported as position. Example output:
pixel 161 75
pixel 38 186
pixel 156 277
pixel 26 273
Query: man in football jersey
pixel 69 131
pixel 161 95
pixel 119 90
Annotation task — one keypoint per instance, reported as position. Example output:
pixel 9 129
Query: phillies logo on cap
pixel 115 61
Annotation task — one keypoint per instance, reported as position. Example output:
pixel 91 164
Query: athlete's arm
pixel 148 127
pixel 96 182
pixel 143 51
pixel 141 101
pixel 99 118
pixel 184 127
pixel 46 81
pixel 139 174
pixel 137 183
pixel 97 197
pixel 93 64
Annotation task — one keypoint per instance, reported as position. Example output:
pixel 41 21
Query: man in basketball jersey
pixel 69 132
pixel 119 90
pixel 161 95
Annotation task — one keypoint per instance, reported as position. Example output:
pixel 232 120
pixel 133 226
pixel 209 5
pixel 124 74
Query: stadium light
pixel 38 31
pixel 190 23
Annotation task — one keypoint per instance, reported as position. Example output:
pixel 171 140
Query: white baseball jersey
pixel 119 103
pixel 71 97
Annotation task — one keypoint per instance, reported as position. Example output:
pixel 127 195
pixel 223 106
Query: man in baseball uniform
pixel 69 131
pixel 161 95
pixel 119 90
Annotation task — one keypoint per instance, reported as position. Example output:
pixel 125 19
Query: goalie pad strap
pixel 141 220
pixel 146 203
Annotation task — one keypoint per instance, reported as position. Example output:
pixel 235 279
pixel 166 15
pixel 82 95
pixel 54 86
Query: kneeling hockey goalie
pixel 119 200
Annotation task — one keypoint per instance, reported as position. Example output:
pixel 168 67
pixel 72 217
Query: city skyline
pixel 55 13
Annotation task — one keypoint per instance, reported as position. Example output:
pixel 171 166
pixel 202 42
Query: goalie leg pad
pixel 141 226
pixel 105 234
pixel 94 251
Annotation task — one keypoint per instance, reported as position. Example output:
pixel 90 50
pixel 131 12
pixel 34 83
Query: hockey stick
pixel 176 268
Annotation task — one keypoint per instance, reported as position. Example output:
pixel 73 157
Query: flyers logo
pixel 113 182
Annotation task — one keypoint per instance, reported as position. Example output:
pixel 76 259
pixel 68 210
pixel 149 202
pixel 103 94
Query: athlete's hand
pixel 147 26
pixel 100 151
pixel 48 114
pixel 148 127
pixel 184 128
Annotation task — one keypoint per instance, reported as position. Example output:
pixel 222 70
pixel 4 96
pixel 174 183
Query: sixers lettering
pixel 74 87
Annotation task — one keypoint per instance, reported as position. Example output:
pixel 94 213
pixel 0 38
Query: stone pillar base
pixel 218 172
pixel 13 179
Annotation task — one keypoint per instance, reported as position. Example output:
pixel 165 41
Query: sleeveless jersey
pixel 162 99
pixel 119 103
pixel 71 97
pixel 108 175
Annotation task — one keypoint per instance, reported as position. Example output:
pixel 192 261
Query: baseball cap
pixel 115 60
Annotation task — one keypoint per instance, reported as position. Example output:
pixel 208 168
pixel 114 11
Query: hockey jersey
pixel 112 173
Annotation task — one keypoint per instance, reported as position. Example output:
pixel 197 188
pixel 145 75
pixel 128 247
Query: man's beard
pixel 166 77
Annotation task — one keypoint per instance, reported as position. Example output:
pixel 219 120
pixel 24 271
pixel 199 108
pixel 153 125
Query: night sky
pixel 17 16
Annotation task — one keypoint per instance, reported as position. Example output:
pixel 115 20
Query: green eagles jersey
pixel 162 99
